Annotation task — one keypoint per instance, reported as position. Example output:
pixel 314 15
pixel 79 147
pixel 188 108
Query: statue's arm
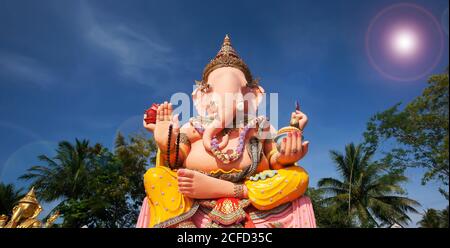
pixel 271 151
pixel 270 148
pixel 283 183
pixel 188 135
pixel 291 150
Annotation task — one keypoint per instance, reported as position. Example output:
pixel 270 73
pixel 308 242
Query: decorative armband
pixel 238 190
pixel 184 139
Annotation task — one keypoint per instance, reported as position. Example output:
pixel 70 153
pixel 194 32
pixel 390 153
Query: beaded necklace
pixel 169 137
pixel 236 153
pixel 177 148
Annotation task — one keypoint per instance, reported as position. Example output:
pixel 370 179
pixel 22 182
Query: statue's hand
pixel 300 118
pixel 164 119
pixel 196 185
pixel 149 126
pixel 292 149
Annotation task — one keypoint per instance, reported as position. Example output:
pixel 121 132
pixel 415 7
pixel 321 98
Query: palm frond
pixel 370 193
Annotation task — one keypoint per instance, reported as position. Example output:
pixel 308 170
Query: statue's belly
pixel 199 159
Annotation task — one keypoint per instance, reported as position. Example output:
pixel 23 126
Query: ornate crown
pixel 30 197
pixel 227 57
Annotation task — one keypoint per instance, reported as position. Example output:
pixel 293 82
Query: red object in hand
pixel 151 114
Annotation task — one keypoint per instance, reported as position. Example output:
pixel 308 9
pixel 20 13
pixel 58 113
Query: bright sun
pixel 404 42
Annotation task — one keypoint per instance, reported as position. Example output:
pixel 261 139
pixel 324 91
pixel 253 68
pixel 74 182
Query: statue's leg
pixel 297 214
pixel 167 206
pixel 286 185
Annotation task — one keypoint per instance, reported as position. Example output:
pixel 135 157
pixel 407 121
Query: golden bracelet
pixel 271 153
pixel 238 190
pixel 183 152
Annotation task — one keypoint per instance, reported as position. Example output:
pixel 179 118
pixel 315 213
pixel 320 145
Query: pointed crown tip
pixel 30 197
pixel 227 57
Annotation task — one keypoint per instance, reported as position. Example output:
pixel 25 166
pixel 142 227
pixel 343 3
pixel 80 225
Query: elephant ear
pixel 201 101
pixel 254 96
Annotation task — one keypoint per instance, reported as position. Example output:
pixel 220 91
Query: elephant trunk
pixel 226 113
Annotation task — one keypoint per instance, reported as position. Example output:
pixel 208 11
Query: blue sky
pixel 88 69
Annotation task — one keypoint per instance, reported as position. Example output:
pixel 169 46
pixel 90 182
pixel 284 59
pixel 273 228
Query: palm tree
pixel 433 218
pixel 97 188
pixel 444 218
pixel 65 175
pixel 430 219
pixel 371 194
pixel 9 196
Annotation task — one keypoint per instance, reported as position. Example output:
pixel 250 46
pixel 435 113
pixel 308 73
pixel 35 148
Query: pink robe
pixel 299 214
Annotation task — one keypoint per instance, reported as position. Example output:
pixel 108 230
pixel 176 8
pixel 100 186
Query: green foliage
pixel 367 192
pixel 434 219
pixel 66 174
pixel 329 216
pixel 444 218
pixel 420 133
pixel 98 188
pixel 9 196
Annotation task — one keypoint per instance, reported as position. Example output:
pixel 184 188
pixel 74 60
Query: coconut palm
pixel 430 219
pixel 444 218
pixel 63 176
pixel 433 218
pixel 366 190
pixel 97 188
pixel 9 196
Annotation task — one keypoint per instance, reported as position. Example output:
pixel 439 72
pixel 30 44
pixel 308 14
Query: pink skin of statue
pixel 195 184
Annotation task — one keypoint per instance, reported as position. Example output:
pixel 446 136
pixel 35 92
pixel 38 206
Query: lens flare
pixel 404 42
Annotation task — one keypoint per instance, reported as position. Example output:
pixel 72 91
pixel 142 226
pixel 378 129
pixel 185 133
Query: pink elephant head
pixel 227 92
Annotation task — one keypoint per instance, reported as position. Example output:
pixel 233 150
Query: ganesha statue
pixel 226 167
